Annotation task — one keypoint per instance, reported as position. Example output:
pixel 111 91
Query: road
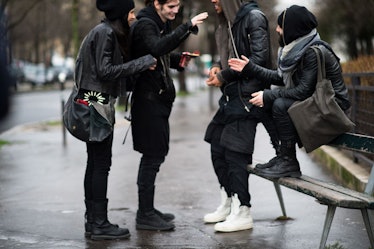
pixel 33 106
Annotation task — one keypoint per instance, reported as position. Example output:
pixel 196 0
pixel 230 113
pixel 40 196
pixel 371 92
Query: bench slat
pixel 323 194
pixel 336 187
pixel 326 193
pixel 355 142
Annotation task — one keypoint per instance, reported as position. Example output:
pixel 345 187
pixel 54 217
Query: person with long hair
pixel 102 67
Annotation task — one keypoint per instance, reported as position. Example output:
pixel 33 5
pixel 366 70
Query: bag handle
pixel 321 64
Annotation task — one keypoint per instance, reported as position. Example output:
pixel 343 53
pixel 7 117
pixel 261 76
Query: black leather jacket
pixel 250 32
pixel 100 66
pixel 304 78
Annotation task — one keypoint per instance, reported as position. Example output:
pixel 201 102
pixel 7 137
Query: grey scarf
pixel 290 55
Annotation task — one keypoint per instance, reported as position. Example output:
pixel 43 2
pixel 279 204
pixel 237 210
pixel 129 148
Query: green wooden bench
pixel 333 195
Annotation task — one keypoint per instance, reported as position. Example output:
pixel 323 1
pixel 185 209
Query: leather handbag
pixel 76 117
pixel 319 119
pixel 88 122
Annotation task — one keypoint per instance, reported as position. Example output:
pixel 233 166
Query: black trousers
pixel 286 129
pixel 99 161
pixel 231 168
pixel 148 169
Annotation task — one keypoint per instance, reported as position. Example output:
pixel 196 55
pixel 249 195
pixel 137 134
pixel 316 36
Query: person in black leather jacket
pixel 297 71
pixel 101 69
pixel 153 98
pixel 232 131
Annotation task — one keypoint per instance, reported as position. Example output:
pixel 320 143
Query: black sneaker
pixel 152 221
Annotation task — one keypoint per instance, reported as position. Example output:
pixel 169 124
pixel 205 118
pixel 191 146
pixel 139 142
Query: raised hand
pixel 198 19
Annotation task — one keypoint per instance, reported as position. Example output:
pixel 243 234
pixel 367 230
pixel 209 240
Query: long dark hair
pixel 122 30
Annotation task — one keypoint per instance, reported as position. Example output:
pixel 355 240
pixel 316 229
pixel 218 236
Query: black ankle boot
pixel 285 166
pixel 286 163
pixel 150 220
pixel 88 218
pixel 271 163
pixel 165 216
pixel 102 229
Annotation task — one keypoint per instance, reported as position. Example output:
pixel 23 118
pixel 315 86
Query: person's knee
pixel 279 107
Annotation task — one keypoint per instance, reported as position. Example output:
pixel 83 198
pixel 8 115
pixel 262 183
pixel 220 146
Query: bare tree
pixel 350 21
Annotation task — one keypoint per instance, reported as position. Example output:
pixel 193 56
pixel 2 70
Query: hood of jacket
pixel 230 8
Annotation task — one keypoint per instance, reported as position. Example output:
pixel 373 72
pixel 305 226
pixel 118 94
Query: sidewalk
pixel 41 192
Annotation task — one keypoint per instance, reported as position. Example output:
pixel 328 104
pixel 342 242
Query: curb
pixel 348 173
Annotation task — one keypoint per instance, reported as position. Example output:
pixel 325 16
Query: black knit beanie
pixel 115 9
pixel 298 21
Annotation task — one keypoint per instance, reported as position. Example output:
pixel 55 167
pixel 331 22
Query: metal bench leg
pixel 280 198
pixel 326 228
pixel 368 226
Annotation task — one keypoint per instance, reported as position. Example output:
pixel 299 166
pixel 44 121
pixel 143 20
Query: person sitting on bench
pixel 297 71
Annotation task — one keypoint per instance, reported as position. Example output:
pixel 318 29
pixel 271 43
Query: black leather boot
pixel 165 216
pixel 150 220
pixel 286 163
pixel 147 217
pixel 272 161
pixel 102 229
pixel 88 218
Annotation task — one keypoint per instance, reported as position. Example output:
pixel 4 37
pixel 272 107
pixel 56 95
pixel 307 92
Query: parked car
pixel 37 74
pixel 61 73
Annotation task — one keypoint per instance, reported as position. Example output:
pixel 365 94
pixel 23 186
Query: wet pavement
pixel 42 203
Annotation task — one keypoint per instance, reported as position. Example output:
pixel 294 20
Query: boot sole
pixel 152 228
pixel 286 174
pixel 208 221
pixel 234 230
pixel 109 237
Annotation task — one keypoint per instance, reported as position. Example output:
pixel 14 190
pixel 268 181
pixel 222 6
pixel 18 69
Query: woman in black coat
pixel 102 66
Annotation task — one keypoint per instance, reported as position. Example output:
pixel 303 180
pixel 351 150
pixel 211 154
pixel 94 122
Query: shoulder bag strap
pixel 321 64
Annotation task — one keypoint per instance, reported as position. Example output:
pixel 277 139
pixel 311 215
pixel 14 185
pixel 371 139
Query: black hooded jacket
pixel 154 90
pixel 251 37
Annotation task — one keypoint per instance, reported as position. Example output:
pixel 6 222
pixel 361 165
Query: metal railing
pixel 362 113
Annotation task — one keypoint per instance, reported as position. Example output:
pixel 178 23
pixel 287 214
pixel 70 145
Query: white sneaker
pixel 239 218
pixel 222 211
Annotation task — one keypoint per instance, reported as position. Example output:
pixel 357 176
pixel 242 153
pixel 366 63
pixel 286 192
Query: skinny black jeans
pixel 99 160
pixel 283 122
pixel 148 169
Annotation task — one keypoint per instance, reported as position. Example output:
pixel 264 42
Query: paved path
pixel 41 193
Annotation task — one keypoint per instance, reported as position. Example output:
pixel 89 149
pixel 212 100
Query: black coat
pixel 100 66
pixel 251 36
pixel 304 78
pixel 154 91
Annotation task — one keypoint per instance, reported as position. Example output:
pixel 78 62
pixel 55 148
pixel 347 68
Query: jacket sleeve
pixel 137 65
pixel 258 38
pixel 104 53
pixel 263 74
pixel 305 85
pixel 148 33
